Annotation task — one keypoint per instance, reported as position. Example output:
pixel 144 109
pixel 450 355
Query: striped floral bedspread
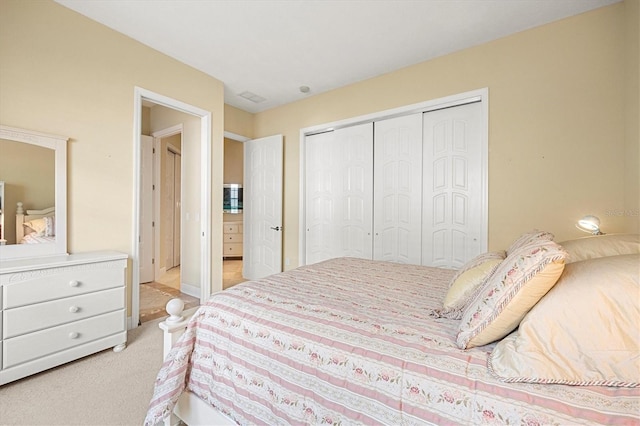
pixel 351 341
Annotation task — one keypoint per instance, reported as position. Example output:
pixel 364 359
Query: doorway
pixel 160 222
pixel 196 245
pixel 233 208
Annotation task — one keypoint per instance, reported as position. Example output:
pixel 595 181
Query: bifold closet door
pixel 453 194
pixel 338 193
pixel 398 189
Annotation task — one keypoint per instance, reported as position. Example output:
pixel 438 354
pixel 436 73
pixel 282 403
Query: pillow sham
pixel 37 225
pixel 583 332
pixel 600 246
pixel 528 237
pixel 43 227
pixel 518 283
pixel 466 281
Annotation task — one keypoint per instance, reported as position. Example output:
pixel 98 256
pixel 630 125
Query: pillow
pixel 583 332
pixel 38 225
pixel 463 285
pixel 601 245
pixel 527 237
pixel 44 227
pixel 50 226
pixel 518 283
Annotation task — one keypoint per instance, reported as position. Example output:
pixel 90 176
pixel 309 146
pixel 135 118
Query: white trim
pixel 59 145
pixel 170 131
pixel 236 137
pixel 205 196
pixel 479 95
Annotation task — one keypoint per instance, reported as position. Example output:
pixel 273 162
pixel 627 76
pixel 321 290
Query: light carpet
pixel 106 388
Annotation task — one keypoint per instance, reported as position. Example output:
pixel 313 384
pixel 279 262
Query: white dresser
pixel 232 246
pixel 60 308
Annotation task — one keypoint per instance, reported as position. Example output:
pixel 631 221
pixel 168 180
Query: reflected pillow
pixel 503 300
pixel 585 331
pixel 44 227
pixel 600 246
pixel 38 226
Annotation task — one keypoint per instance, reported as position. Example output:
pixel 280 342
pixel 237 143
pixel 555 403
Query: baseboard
pixel 191 290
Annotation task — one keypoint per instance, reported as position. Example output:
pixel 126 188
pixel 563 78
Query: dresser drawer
pixel 233 238
pixel 26 319
pixel 231 228
pixel 27 347
pixel 232 249
pixel 63 282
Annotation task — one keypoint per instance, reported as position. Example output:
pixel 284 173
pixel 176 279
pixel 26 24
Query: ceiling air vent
pixel 252 97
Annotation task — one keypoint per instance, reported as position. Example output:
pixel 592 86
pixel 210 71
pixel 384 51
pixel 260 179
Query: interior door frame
pixel 479 95
pixel 141 94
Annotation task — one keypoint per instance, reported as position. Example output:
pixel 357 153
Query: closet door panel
pixel 338 193
pixel 319 201
pixel 452 191
pixel 397 189
pixel 355 171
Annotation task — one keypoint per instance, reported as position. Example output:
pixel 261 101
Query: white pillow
pixel 43 227
pixel 601 246
pixel 37 225
pixel 585 331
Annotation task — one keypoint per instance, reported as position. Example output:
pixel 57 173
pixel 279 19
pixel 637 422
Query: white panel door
pixel 453 186
pixel 354 208
pixel 146 240
pixel 338 193
pixel 320 153
pixel 398 189
pixel 262 210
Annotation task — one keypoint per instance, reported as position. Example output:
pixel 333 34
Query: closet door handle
pixel 277 228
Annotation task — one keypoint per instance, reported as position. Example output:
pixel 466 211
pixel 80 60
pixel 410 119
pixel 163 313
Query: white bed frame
pixel 22 218
pixel 189 409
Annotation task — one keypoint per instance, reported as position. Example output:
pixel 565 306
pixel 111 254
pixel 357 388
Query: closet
pixel 408 188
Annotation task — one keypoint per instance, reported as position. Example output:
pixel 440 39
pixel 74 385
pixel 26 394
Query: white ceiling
pixel 272 47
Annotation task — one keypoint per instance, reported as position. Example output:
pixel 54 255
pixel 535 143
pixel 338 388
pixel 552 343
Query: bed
pixel 354 341
pixel 35 226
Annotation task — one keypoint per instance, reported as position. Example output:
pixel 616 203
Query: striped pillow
pixel 518 283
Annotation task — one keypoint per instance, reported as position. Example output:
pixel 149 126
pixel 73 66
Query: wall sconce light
pixel 589 224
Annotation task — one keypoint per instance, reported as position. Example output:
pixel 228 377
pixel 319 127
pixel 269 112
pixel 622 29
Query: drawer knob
pixel 74 309
pixel 74 283
pixel 74 335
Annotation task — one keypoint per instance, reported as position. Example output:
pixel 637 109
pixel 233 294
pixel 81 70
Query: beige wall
pixel 238 121
pixel 62 73
pixel 556 123
pixel 631 211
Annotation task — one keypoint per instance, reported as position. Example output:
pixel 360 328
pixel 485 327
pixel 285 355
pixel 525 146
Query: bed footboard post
pixel 173 326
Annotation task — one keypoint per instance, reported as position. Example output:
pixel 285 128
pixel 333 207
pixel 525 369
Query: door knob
pixel 276 228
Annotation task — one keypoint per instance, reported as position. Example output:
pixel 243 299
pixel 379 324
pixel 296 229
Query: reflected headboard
pixel 23 217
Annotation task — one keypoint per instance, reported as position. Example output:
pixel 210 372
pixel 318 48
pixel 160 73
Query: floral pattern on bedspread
pixel 351 341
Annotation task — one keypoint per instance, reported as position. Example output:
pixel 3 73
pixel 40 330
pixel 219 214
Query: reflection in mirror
pixel 33 169
pixel 30 181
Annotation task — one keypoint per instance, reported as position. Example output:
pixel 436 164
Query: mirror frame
pixel 59 145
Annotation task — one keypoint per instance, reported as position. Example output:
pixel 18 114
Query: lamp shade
pixel 590 224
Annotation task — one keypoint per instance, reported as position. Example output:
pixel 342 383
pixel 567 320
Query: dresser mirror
pixel 33 168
